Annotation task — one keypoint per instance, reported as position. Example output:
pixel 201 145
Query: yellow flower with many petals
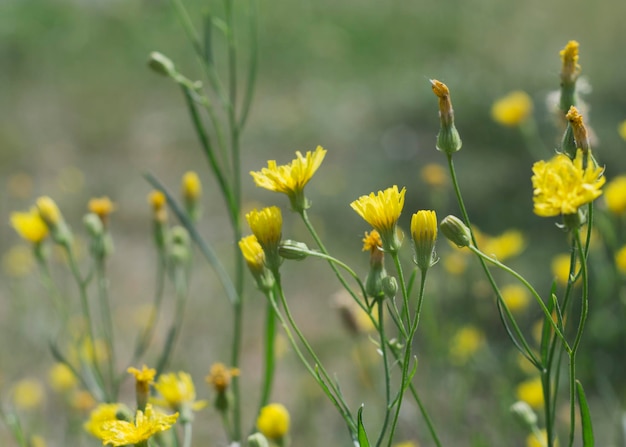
pixel 104 413
pixel 531 392
pixel 178 392
pixel 512 109
pixel 615 195
pixel 220 376
pixel 424 234
pixel 291 178
pixel 29 225
pixel 273 421
pixel 382 211
pixel 561 185
pixel 267 226
pixel 252 253
pixel 146 424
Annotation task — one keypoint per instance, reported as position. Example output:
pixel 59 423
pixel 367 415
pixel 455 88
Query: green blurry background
pixel 81 115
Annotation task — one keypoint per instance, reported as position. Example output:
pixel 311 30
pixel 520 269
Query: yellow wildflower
pixel 48 211
pixel 191 186
pixel 290 179
pixel 448 138
pixel 620 260
pixel 82 400
pixel 581 137
pixel 569 57
pixel 382 211
pixel 102 207
pixel 615 195
pixel 561 267
pixel 372 241
pixel 621 129
pixel 143 379
pixel 465 343
pixel 146 424
pixel 28 394
pixel 424 234
pixel 29 225
pixel 220 376
pixel 516 297
pixel 455 263
pixel 157 200
pixel 561 185
pixel 505 246
pixel 18 261
pixel 178 391
pixel 531 392
pixel 512 109
pixel 266 225
pixel 252 253
pixel 37 441
pixel 101 414
pixel 434 175
pixel 273 421
pixel 61 377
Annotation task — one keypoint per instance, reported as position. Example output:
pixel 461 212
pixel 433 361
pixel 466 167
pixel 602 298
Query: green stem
pixel 105 309
pixel 268 367
pixel 187 433
pixel 383 348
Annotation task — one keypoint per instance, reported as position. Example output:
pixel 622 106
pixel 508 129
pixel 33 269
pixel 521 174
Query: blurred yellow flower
pixel 37 441
pixel 273 421
pixel 561 186
pixel 621 129
pixel 18 261
pixel 82 400
pixel 455 263
pixel 178 392
pixel 191 186
pixel 434 175
pixel 465 343
pixel 424 234
pixel 372 241
pixel 144 377
pixel 620 260
pixel 101 414
pixel 569 57
pixel 29 225
pixel 531 392
pixel 615 194
pixel 560 267
pixel 28 394
pixel 146 424
pixel 267 225
pixel 48 211
pixel 507 245
pixel 61 377
pixel 406 444
pixel 382 212
pixel 220 376
pixel 102 207
pixel 516 297
pixel 291 178
pixel 157 200
pixel 252 253
pixel 512 109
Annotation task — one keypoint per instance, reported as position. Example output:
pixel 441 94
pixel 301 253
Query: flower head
pixel 102 207
pixel 434 175
pixel 291 178
pixel 61 377
pixel 178 392
pixel 28 394
pixel 191 186
pixel 144 377
pixel 615 195
pixel 29 225
pixel 424 234
pixel 505 246
pixel 465 343
pixel 146 424
pixel 220 376
pixel 101 414
pixel 516 297
pixel 273 421
pixel 512 109
pixel 49 211
pixel 382 211
pixel 531 392
pixel 575 119
pixel 267 226
pixel 569 58
pixel 448 139
pixel 561 185
pixel 252 253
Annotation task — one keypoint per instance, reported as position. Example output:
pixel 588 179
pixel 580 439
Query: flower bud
pixel 456 231
pixel 293 250
pixel 424 234
pixel 161 64
pixel 524 413
pixel 390 286
pixel 257 440
pixel 448 139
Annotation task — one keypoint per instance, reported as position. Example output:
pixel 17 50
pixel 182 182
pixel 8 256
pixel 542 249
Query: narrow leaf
pixel 585 416
pixel 363 441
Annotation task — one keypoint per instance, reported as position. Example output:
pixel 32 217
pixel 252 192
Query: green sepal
pixel 362 435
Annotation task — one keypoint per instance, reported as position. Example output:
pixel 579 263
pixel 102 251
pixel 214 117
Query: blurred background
pixel 81 115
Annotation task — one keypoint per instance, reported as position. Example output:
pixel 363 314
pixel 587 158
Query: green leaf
pixel 585 416
pixel 363 441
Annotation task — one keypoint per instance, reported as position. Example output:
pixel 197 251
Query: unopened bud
pixel 161 64
pixel 293 250
pixel 456 231
pixel 390 286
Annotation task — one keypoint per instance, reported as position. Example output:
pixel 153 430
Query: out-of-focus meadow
pixel 81 115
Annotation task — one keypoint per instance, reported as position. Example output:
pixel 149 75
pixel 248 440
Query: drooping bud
pixel 456 231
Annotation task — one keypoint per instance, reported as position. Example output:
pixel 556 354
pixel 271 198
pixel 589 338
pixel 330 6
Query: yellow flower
pixel 424 234
pixel 531 392
pixel 82 400
pixel 382 211
pixel 372 241
pixel 508 244
pixel 28 394
pixel 143 379
pixel 620 260
pixel 101 414
pixel 516 297
pixel 290 179
pixel 191 186
pixel 577 125
pixel 561 186
pixel 29 225
pixel 18 261
pixel 61 377
pixel 157 200
pixel 621 129
pixel 273 421
pixel 49 211
pixel 102 207
pixel 539 439
pixel 178 391
pixel 434 175
pixel 615 195
pixel 37 441
pixel 267 225
pixel 569 57
pixel 561 267
pixel 512 109
pixel 406 444
pixel 220 376
pixel 252 252
pixel 465 343
pixel 455 263
pixel 119 433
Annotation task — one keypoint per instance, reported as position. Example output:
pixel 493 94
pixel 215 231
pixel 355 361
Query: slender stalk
pixel 383 348
pixel 187 433
pixel 268 363
pixel 105 310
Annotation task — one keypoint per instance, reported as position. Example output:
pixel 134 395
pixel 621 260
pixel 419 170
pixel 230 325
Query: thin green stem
pixel 105 310
pixel 253 62
pixel 383 349
pixel 268 363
